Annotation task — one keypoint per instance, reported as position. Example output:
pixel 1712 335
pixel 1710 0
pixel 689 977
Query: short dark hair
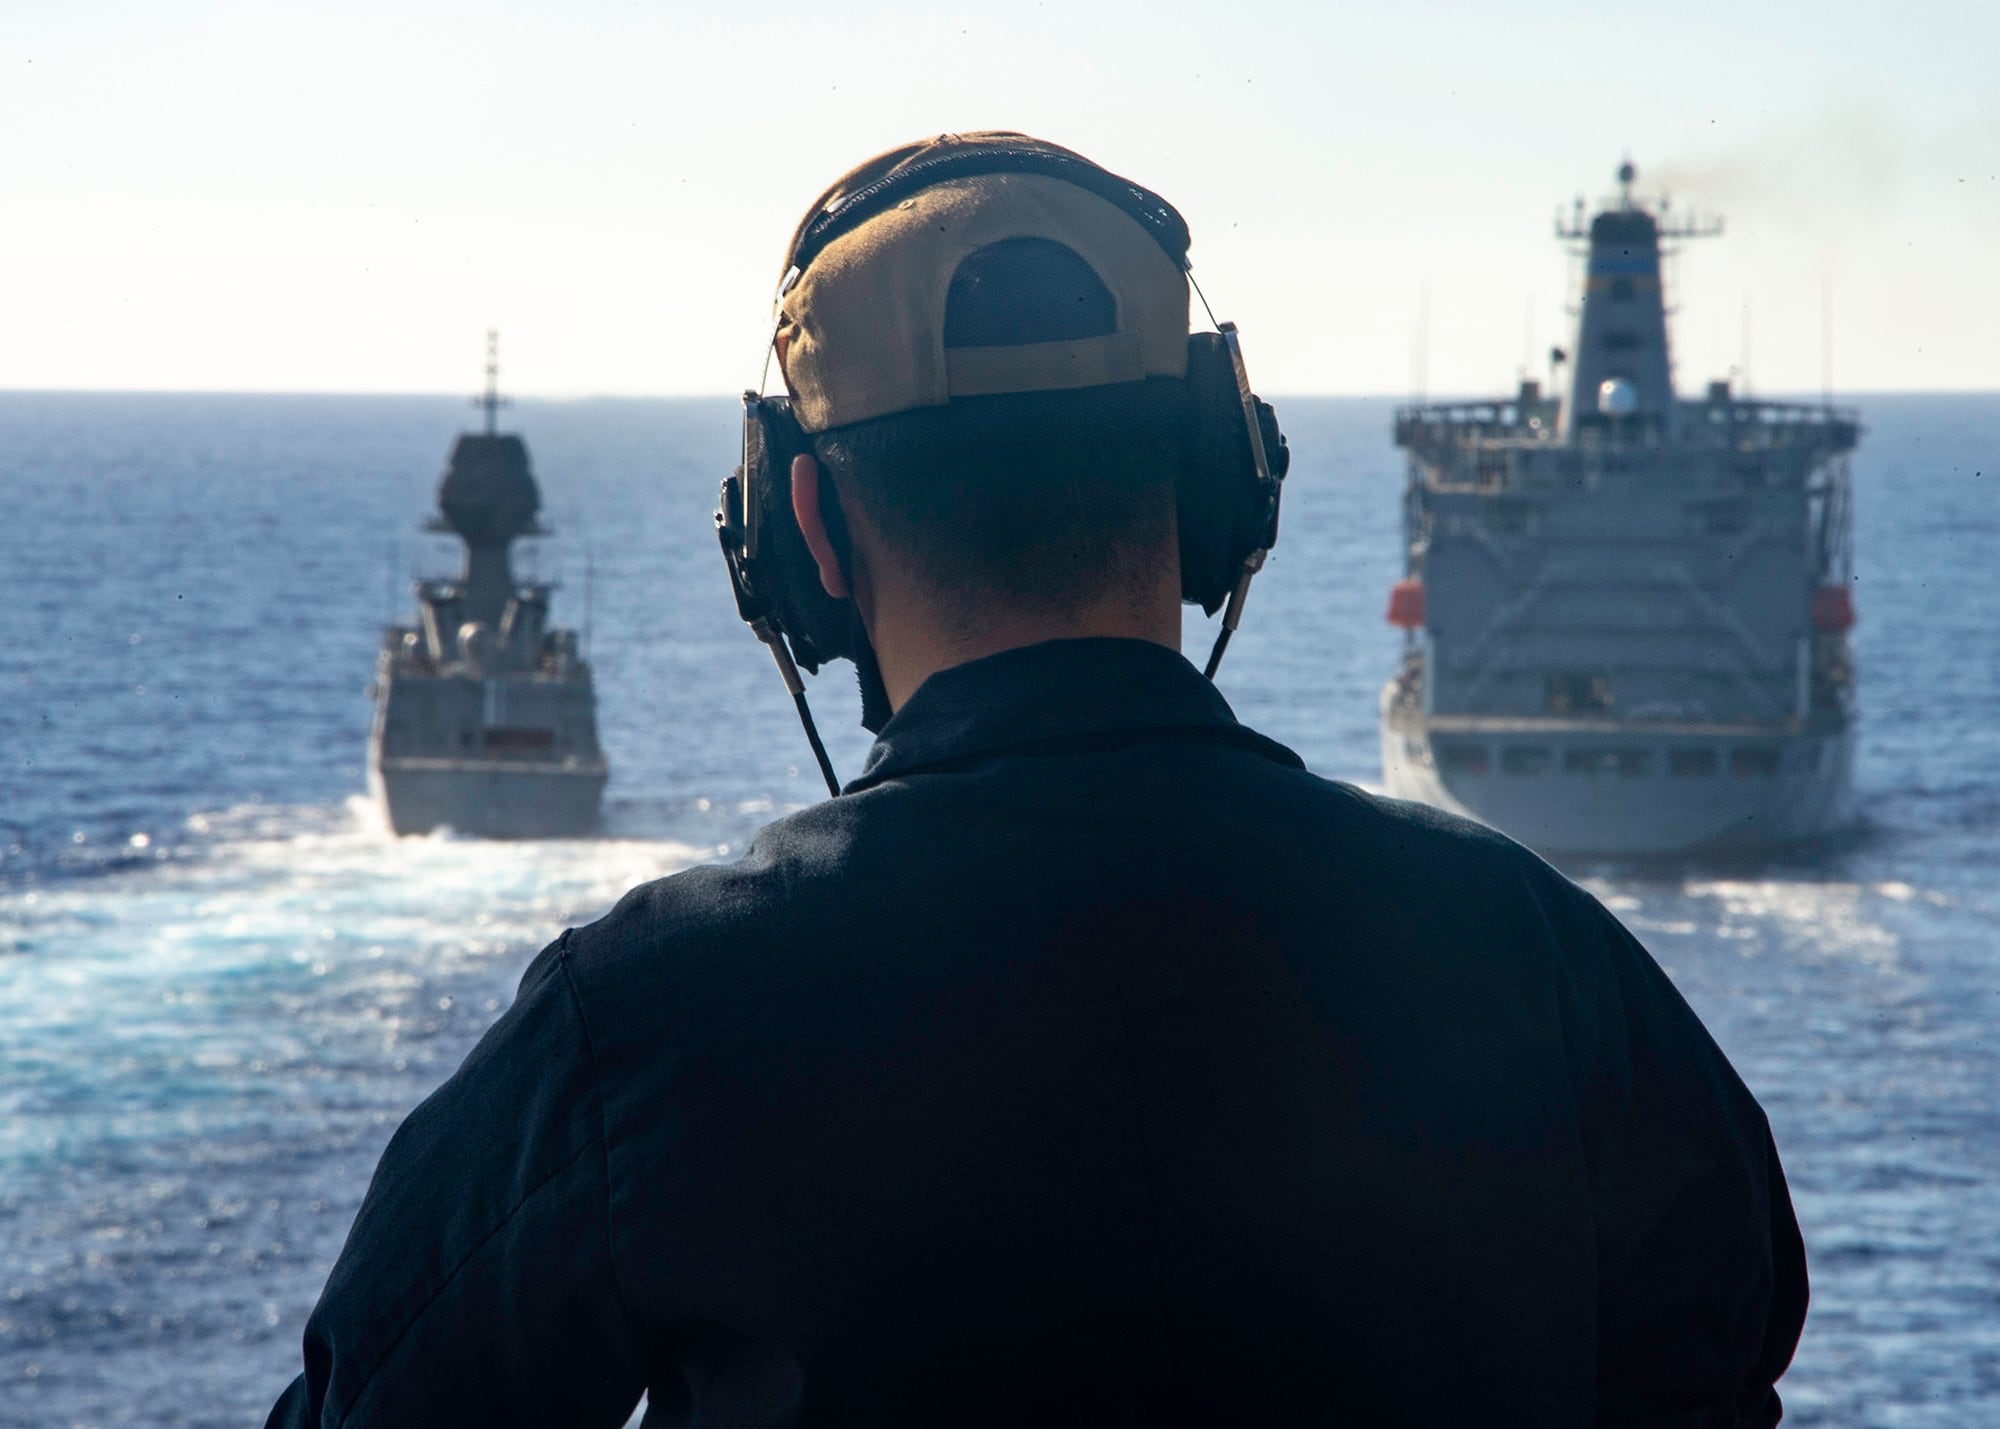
pixel 1048 500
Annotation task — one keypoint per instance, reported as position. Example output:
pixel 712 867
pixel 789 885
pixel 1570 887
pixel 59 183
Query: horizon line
pixel 1773 394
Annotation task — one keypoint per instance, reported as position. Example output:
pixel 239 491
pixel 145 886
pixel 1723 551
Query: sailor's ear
pixel 812 524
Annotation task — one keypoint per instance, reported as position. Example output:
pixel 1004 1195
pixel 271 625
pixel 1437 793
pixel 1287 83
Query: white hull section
pixel 1623 789
pixel 490 798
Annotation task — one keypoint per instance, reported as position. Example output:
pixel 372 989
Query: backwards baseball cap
pixel 864 317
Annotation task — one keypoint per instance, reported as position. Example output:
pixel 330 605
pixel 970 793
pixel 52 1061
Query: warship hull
pixel 485 711
pixel 1614 789
pixel 489 798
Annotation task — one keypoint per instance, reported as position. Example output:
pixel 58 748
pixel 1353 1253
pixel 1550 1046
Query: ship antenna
pixel 1825 340
pixel 490 401
pixel 1528 339
pixel 1743 361
pixel 1420 348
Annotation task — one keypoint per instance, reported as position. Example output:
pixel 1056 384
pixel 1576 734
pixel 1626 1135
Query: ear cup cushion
pixel 819 627
pixel 1225 509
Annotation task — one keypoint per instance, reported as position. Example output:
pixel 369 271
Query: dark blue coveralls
pixel 1089 1063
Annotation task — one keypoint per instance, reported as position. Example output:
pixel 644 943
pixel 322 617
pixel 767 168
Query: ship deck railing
pixel 1439 430
pixel 444 589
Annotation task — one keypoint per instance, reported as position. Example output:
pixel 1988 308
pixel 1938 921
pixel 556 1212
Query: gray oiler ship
pixel 1626 615
pixel 485 717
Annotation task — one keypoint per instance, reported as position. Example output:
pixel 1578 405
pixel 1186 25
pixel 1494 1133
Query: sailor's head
pixel 987 351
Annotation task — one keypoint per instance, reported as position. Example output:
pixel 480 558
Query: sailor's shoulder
pixel 1398 826
pixel 1426 853
pixel 1434 829
pixel 712 910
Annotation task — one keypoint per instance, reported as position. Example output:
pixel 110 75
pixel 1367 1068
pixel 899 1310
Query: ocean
pixel 222 984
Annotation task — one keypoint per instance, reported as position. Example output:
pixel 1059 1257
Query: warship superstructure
pixel 1626 614
pixel 485 715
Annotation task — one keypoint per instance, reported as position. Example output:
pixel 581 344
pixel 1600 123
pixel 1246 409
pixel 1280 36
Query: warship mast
pixel 490 401
pixel 488 498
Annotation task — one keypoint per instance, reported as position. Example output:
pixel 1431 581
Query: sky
pixel 310 197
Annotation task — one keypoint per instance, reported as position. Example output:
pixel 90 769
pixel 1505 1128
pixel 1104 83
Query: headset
pixel 1227 491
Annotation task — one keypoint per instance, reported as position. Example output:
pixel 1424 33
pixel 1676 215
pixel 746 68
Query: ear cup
pixel 1227 509
pixel 819 627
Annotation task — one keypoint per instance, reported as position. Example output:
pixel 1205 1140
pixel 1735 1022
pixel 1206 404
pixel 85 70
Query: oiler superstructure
pixel 485 713
pixel 1627 613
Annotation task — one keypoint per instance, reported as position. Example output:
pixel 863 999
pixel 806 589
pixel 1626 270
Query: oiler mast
pixel 1623 365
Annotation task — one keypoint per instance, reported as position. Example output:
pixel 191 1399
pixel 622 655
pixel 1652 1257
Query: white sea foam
pixel 294 930
pixel 276 882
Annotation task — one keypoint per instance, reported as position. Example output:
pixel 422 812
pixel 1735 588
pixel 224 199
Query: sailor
pixel 1087 1061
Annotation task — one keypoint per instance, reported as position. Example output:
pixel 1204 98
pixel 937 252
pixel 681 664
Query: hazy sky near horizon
pixel 344 197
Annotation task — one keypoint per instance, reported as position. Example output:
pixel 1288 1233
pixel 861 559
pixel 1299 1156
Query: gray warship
pixel 485 715
pixel 1626 615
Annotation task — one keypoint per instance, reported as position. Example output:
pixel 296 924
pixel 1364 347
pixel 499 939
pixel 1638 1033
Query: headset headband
pixel 1154 214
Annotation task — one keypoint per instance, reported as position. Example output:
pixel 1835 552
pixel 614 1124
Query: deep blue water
pixel 221 985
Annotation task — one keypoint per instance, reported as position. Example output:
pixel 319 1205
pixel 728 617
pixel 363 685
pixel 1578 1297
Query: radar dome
pixel 1617 397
